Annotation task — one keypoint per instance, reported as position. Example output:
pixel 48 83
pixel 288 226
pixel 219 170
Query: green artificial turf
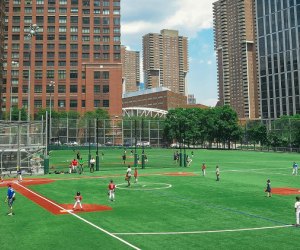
pixel 161 203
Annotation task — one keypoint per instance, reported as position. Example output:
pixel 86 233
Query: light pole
pixel 13 63
pixel 51 87
pixel 32 32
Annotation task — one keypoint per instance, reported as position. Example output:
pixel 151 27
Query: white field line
pixel 80 218
pixel 206 232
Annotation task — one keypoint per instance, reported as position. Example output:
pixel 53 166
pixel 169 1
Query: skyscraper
pixel 165 61
pixel 234 30
pixel 131 69
pixel 2 19
pixel 278 32
pixel 75 46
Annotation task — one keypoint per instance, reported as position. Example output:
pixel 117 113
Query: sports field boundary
pixel 80 218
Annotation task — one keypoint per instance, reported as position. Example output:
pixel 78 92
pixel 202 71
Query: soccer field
pixel 170 207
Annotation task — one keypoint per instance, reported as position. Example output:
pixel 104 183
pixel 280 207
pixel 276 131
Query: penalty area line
pixel 80 218
pixel 206 232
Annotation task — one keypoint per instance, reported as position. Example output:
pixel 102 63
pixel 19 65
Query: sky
pixel 193 19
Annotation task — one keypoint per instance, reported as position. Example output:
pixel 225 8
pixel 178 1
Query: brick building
pixel 77 46
pixel 2 20
pixel 131 70
pixel 159 98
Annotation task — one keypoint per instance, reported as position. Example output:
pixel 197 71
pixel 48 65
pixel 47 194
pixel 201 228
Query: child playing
pixel 297 210
pixel 78 199
pixel 203 169
pixel 19 173
pixel 135 175
pixel 111 190
pixel 268 189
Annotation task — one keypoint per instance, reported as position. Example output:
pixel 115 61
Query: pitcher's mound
pixel 286 191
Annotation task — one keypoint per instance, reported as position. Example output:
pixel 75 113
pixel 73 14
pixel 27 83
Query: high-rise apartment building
pixel 131 70
pixel 165 61
pixel 70 48
pixel 191 99
pixel 234 30
pixel 278 29
pixel 2 19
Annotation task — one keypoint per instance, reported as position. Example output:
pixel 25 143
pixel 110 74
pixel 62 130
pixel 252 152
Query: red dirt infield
pixel 286 191
pixel 47 203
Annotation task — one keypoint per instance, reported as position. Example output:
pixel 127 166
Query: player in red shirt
pixel 74 165
pixel 135 175
pixel 78 199
pixel 203 169
pixel 111 190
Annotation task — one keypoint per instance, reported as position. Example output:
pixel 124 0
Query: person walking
pixel 78 199
pixel 92 165
pixel 111 190
pixel 124 158
pixel 10 198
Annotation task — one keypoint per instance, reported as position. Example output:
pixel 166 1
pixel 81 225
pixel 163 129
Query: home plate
pixel 66 211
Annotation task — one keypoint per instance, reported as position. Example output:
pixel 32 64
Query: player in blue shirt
pixel 10 198
pixel 295 168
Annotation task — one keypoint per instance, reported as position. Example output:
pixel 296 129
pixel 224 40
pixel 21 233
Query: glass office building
pixel 278 38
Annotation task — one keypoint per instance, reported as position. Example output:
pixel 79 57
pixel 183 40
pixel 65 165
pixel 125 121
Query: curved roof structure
pixel 144 112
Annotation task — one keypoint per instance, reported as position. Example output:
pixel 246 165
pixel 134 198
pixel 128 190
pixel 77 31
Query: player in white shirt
pixel 128 175
pixel 297 210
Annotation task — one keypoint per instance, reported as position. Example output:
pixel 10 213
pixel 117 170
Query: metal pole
pixel 97 152
pixel 143 152
pixel 135 153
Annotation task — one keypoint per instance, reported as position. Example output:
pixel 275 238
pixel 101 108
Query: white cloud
pixel 140 17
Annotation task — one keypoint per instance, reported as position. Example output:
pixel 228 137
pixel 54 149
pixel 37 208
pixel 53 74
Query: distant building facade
pixel 2 23
pixel 131 70
pixel 235 45
pixel 159 98
pixel 278 29
pixel 165 61
pixel 191 99
pixel 77 46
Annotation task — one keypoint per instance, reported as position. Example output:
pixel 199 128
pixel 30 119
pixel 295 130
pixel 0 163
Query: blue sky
pixel 192 19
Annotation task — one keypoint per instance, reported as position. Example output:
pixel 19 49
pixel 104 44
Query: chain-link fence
pixel 22 144
pixel 113 132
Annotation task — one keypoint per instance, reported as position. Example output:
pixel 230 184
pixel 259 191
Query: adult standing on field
pixel 81 162
pixel 297 210
pixel 295 169
pixel 217 173
pixel 10 198
pixel 92 165
pixel 268 188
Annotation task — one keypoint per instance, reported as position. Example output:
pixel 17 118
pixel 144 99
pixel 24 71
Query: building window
pixel 83 103
pixel 105 88
pixel 73 103
pixel 106 103
pixel 106 75
pixel 38 74
pixel 97 89
pixel 50 74
pixel 50 63
pixel 97 74
pixel 73 74
pixel 61 74
pixel 37 103
pixel 96 103
pixel 61 88
pixel 73 89
pixel 61 103
pixel 38 89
